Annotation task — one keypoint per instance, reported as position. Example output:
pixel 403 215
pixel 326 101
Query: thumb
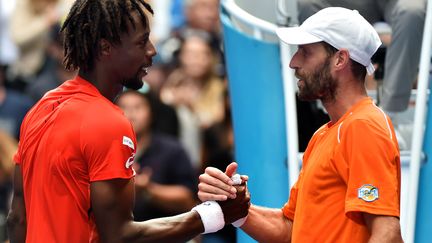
pixel 231 169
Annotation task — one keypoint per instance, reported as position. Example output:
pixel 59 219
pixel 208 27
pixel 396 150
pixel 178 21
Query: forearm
pixel 173 199
pixel 390 238
pixel 180 228
pixel 267 225
pixel 16 220
pixel 387 233
pixel 16 227
pixel 383 229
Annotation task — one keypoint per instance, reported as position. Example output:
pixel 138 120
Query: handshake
pixel 225 197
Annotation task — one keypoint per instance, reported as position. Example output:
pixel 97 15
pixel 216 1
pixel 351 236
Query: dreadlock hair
pixel 89 21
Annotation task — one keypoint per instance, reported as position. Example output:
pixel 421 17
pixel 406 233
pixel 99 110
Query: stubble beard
pixel 318 85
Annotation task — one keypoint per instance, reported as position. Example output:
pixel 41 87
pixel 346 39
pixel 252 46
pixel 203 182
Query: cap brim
pixel 296 36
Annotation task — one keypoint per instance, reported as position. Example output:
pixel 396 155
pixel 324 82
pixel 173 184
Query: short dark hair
pixel 357 69
pixel 89 21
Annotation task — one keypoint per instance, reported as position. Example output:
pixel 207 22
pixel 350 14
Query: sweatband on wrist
pixel 211 216
pixel 239 222
pixel 237 181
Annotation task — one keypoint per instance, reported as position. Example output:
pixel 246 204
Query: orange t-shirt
pixel 349 167
pixel 72 137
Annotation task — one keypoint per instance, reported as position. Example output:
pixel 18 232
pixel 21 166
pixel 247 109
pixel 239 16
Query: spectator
pixel 166 181
pixel 31 23
pixel 54 73
pixel 195 91
pixel 13 107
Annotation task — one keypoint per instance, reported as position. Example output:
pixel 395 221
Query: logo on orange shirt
pixel 368 193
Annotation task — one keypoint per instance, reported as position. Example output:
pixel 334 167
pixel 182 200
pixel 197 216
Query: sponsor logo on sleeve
pixel 130 161
pixel 128 142
pixel 368 193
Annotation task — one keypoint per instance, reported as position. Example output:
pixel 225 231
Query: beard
pixel 319 84
pixel 134 83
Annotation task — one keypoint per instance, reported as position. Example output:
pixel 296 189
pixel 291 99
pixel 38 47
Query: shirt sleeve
pixel 373 169
pixel 289 208
pixel 108 145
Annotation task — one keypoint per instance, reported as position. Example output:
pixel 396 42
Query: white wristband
pixel 239 222
pixel 237 181
pixel 211 216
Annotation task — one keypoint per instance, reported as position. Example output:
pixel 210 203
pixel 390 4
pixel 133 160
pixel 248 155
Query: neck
pixel 103 83
pixel 346 98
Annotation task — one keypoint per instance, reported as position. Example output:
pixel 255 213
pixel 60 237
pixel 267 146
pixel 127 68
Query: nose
pixel 151 50
pixel 294 63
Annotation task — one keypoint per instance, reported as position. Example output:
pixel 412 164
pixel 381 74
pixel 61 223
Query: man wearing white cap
pixel 349 186
pixel 406 19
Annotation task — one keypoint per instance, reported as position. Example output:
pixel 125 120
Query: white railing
pixel 419 124
pixel 258 25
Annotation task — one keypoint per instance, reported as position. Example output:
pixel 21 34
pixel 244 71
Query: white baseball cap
pixel 339 27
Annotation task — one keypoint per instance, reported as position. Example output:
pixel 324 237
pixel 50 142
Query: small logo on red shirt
pixel 130 161
pixel 128 142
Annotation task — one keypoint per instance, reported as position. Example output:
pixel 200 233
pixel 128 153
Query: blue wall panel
pixel 256 91
pixel 424 203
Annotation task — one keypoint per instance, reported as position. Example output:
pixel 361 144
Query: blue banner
pixel 256 91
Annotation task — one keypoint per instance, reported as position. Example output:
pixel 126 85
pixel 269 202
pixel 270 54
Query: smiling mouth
pixel 145 70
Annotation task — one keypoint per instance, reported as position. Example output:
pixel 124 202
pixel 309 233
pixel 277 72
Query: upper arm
pixel 18 205
pixel 112 205
pixel 108 152
pixel 370 169
pixel 17 215
pixel 383 228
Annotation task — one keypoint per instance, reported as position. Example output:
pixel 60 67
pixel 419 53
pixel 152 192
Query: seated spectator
pixel 54 73
pixel 200 15
pixel 195 91
pixel 166 181
pixel 13 107
pixel 30 27
pixel 165 116
pixel 194 83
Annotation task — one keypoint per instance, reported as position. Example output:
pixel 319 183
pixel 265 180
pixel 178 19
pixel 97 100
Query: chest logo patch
pixel 368 193
pixel 128 142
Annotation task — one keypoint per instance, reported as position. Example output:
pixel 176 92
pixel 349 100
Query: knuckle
pixel 208 169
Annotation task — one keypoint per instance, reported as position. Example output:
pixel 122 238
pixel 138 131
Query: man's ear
pixel 105 47
pixel 342 59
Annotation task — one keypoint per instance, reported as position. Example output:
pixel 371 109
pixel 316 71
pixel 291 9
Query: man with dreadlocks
pixel 73 176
